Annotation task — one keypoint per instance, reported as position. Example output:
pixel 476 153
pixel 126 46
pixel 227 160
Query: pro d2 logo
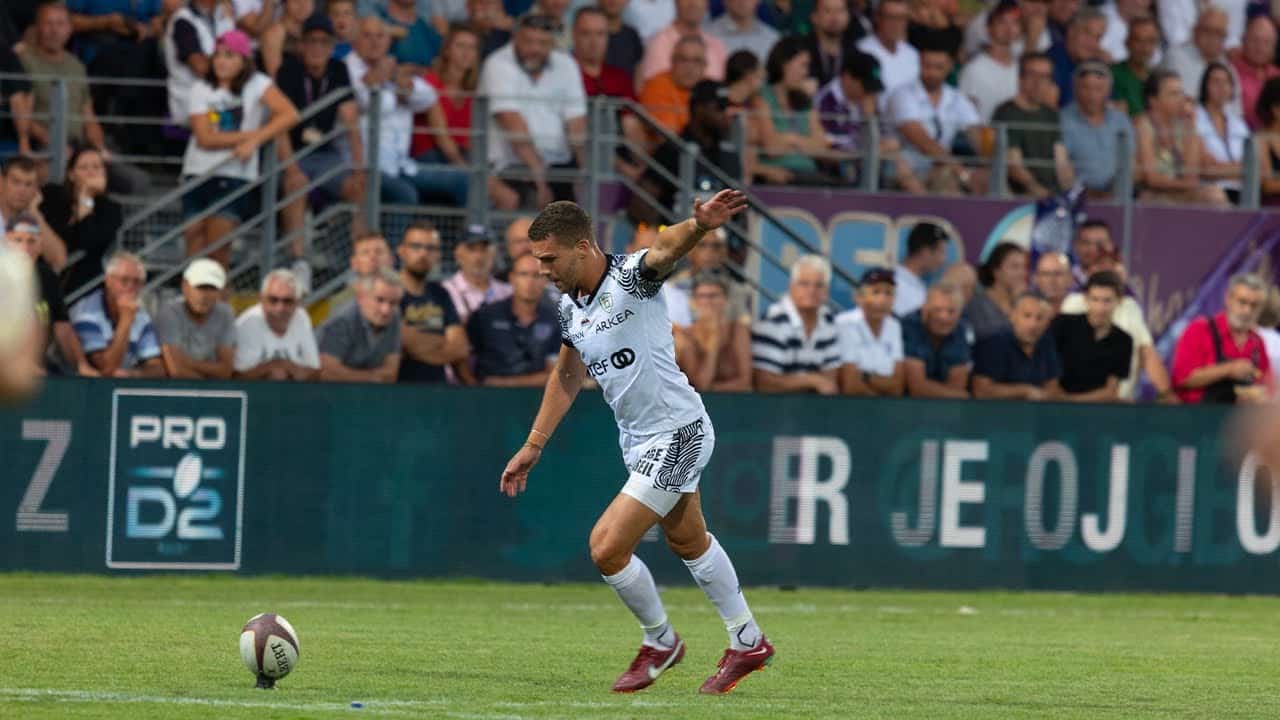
pixel 176 495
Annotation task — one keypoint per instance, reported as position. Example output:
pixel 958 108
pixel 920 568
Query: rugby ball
pixel 269 648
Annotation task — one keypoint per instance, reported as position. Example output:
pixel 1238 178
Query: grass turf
pixel 162 647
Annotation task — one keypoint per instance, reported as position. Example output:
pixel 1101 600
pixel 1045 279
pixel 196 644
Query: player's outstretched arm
pixel 677 240
pixel 562 388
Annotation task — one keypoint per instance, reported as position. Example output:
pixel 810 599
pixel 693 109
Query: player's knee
pixel 688 548
pixel 608 558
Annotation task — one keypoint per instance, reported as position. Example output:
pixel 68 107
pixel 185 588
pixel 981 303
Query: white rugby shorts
pixel 666 465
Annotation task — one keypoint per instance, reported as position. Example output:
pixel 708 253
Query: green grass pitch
pixel 166 647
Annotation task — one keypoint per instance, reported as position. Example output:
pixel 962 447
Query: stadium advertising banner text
pixel 400 481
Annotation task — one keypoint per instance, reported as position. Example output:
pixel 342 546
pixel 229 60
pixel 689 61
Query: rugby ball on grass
pixel 269 648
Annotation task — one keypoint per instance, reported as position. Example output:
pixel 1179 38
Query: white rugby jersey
pixel 623 334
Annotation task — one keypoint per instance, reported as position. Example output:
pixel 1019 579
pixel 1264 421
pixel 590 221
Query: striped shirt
pixel 779 345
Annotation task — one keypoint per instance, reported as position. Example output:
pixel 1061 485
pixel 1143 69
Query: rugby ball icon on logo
pixel 186 475
pixel 269 648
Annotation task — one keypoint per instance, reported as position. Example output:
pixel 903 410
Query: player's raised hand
pixel 516 474
pixel 716 212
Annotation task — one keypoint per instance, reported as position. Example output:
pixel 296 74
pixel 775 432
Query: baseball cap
pixel 24 222
pixel 205 272
pixel 237 42
pixel 865 69
pixel 876 276
pixel 708 91
pixel 477 234
pixel 319 22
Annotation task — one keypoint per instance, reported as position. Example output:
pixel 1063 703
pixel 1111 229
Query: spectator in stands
pixel 715 351
pixel 1221 359
pixel 828 42
pixel 346 25
pixel 792 137
pixel 933 24
pixel 1121 17
pixel 899 61
pixel 1061 13
pixel 660 49
pixel 666 96
pixel 1268 139
pixel 305 81
pixel 1143 48
pixel 47 57
pixel 1128 317
pixel 361 341
pixel 740 29
pixel 114 330
pixel 188 47
pixel 1091 130
pixel 963 278
pixel 871 339
pixel 284 37
pixel 1037 158
pixel 274 339
pixel 590 41
pixel 710 259
pixel 80 212
pixel 1207 44
pixel 649 17
pixel 675 298
pixel 1254 64
pixel 625 50
pixel 16 103
pixel 255 17
pixel 550 110
pixel 795 347
pixel 1268 320
pixel 1003 278
pixel 401 93
pixel 1221 132
pixel 1092 247
pixel 103 27
pixel 233 111
pixel 516 341
pixel 991 77
pixel 559 10
pixel 1033 34
pixel 416 42
pixel 491 22
pixel 474 285
pixel 1169 151
pixel 19 193
pixel 1095 353
pixel 516 241
pixel 197 331
pixel 432 337
pixel 926 255
pixel 1019 362
pixel 454 76
pixel 1052 279
pixel 936 355
pixel 1081 45
pixel 928 115
pixel 23 234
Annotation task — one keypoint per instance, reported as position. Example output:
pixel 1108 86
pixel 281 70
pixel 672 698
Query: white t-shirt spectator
pixel 256 343
pixel 988 83
pixel 953 113
pixel 909 292
pixel 897 67
pixel 861 347
pixel 1229 149
pixel 976 37
pixel 1113 40
pixel 227 113
pixel 649 16
pixel 1177 19
pixel 397 116
pixel 546 104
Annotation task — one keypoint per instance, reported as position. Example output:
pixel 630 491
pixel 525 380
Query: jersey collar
pixel 608 263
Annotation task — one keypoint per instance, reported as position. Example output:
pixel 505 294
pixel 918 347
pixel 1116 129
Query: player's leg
pixel 613 542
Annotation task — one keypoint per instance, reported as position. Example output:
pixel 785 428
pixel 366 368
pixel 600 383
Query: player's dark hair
pixel 987 273
pixel 1105 279
pixel 563 219
pixel 19 162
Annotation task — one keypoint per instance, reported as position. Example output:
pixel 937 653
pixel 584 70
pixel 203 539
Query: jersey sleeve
pixel 565 316
pixel 637 279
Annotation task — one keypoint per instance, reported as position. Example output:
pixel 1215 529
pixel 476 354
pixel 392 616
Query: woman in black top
pixel 80 212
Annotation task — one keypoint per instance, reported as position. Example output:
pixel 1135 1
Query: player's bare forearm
pixel 677 240
pixel 562 389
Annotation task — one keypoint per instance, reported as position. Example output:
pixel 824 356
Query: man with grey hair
pixel 274 339
pixel 1222 359
pixel 1053 279
pixel 1082 43
pixel 114 329
pixel 795 346
pixel 1208 43
pixel 937 358
pixel 361 342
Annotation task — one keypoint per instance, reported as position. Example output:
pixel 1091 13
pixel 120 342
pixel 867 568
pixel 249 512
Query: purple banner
pixel 1174 249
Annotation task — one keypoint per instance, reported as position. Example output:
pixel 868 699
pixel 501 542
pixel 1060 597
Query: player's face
pixel 876 300
pixel 559 264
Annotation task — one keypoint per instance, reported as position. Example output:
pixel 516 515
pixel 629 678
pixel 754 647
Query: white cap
pixel 203 271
